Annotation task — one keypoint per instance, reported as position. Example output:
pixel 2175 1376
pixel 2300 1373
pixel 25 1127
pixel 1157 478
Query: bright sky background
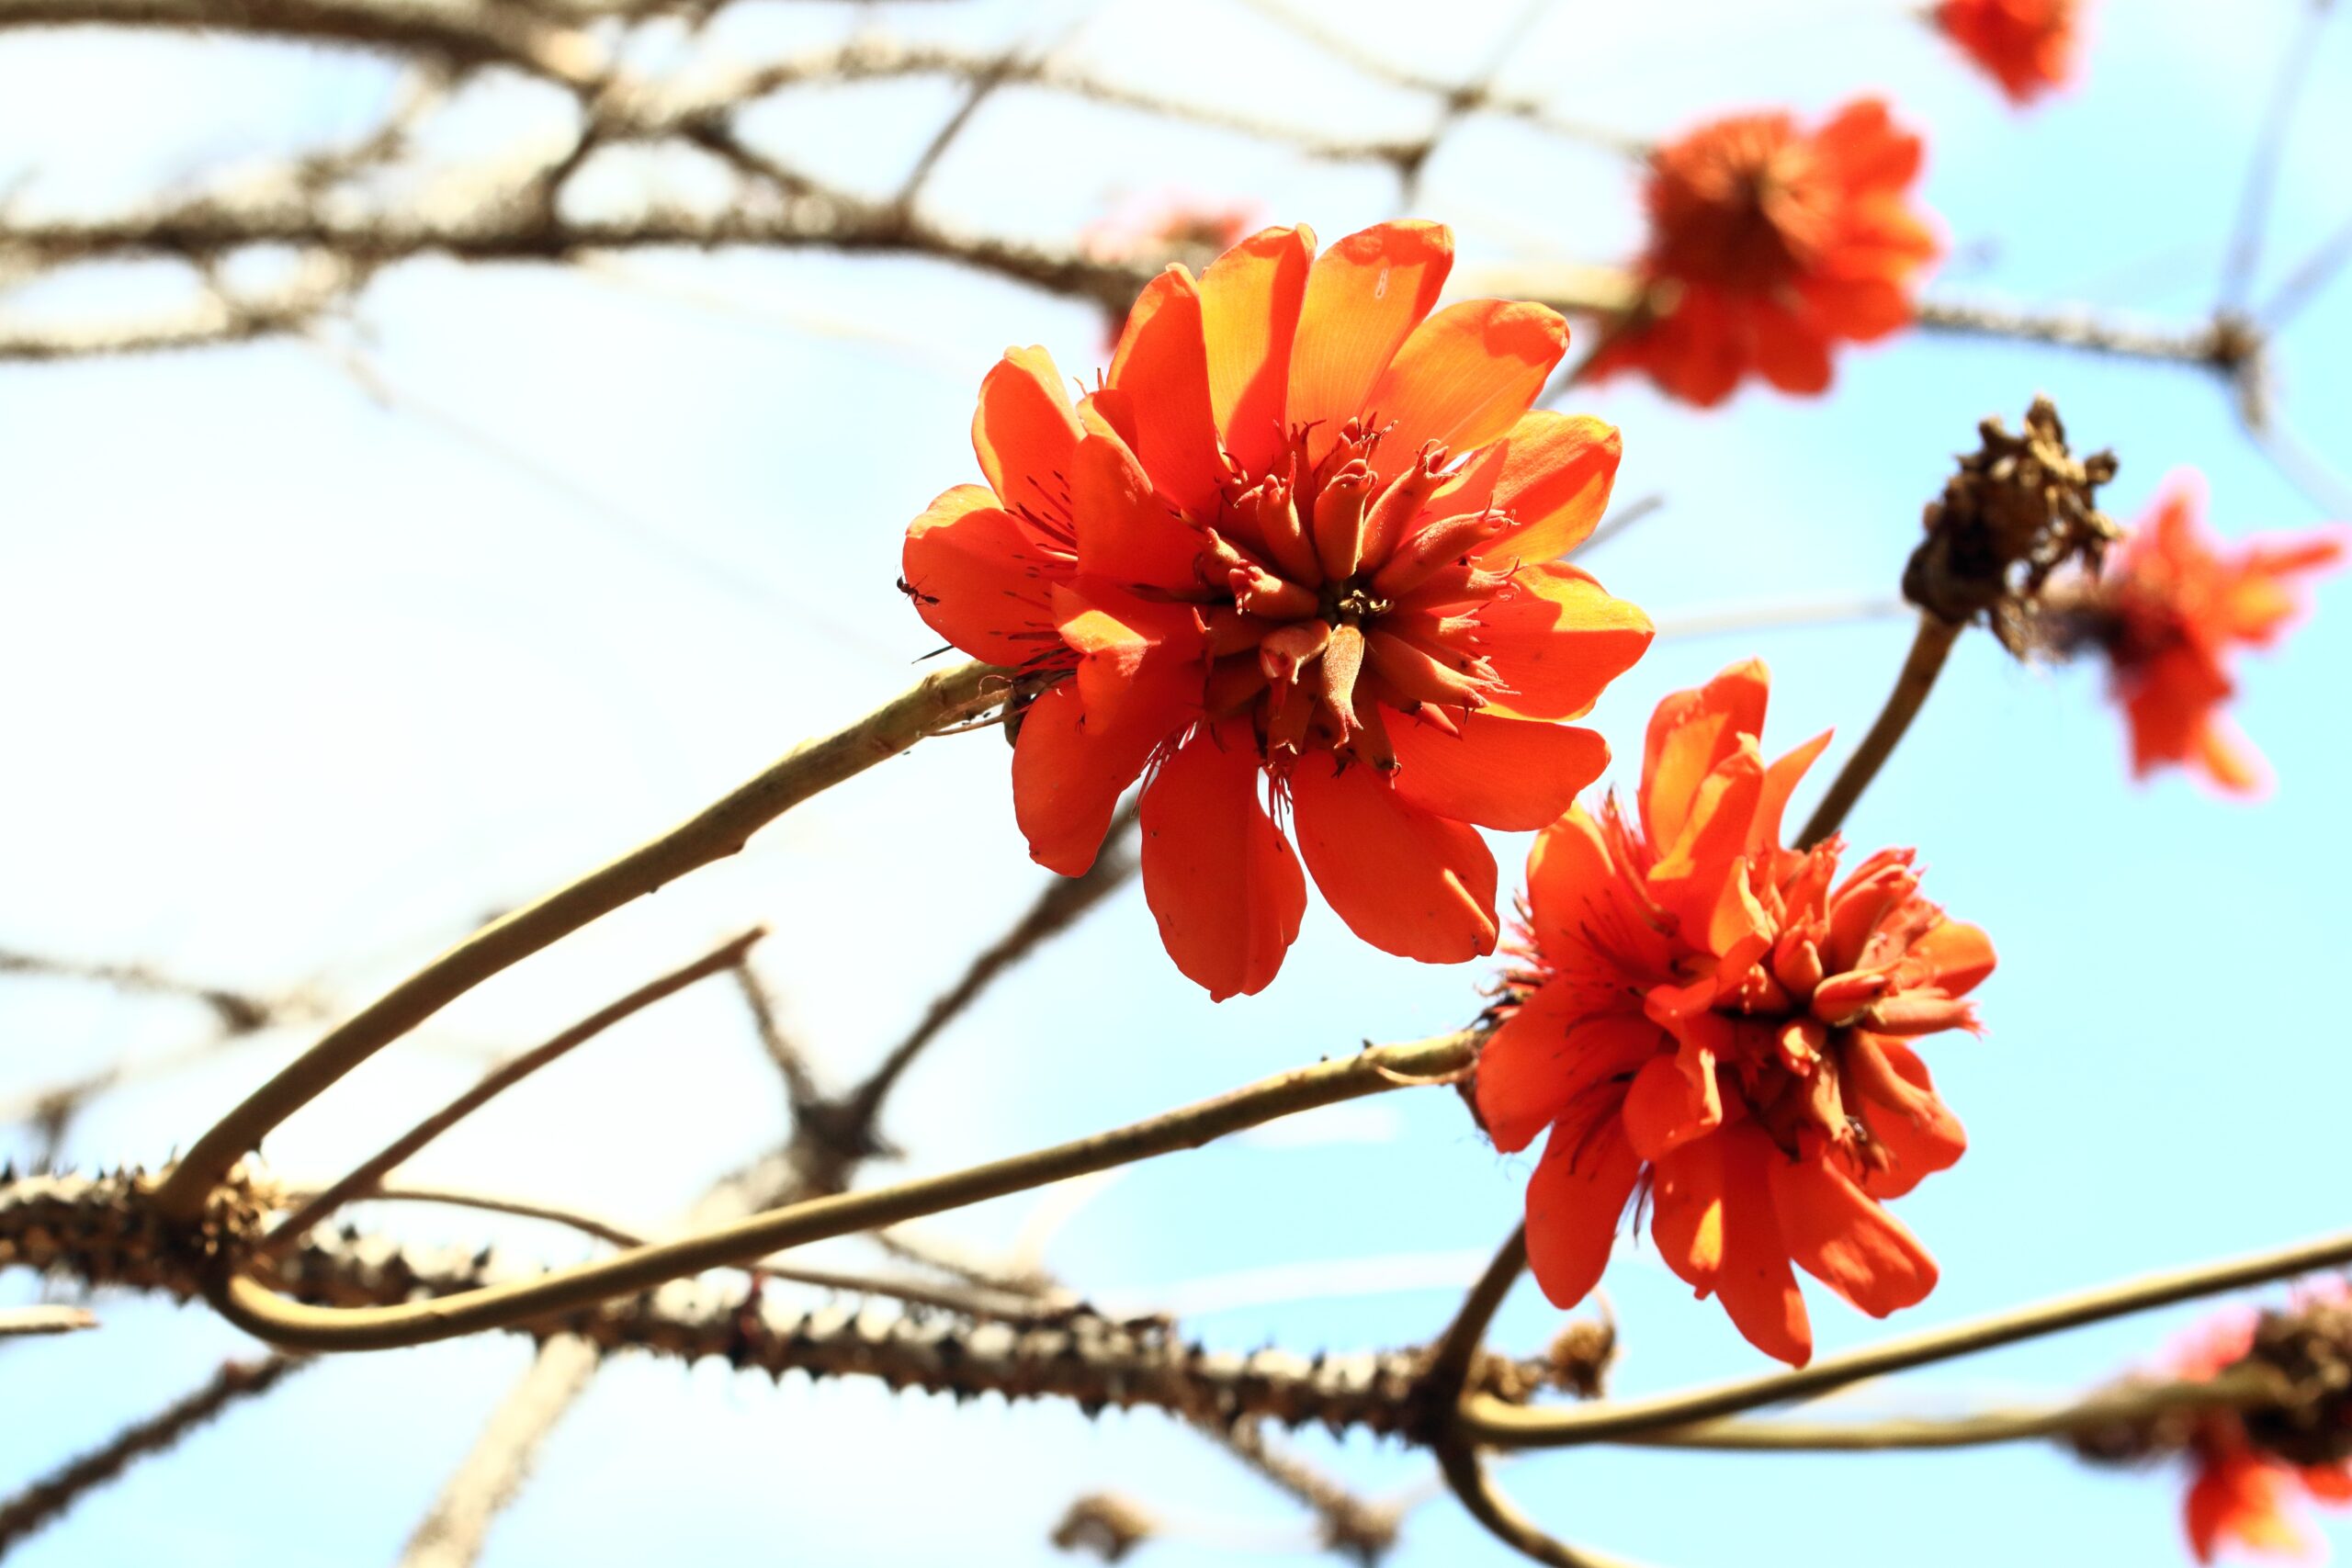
pixel 304 682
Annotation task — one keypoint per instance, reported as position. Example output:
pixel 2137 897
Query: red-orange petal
pixel 1909 1123
pixel 1754 1283
pixel 1549 1053
pixel 1688 876
pixel 1665 1109
pixel 1067 774
pixel 1365 296
pixel 1574 1201
pixel 1127 535
pixel 1466 376
pixel 1692 731
pixel 979 577
pixel 1161 364
pixel 1958 955
pixel 1841 1237
pixel 1406 881
pixel 1218 875
pixel 1024 431
pixel 1556 639
pixel 1687 1211
pixel 1249 305
pixel 1556 473
pixel 1505 774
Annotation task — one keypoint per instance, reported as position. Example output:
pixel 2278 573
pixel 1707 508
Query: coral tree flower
pixel 1709 1016
pixel 1767 245
pixel 1150 227
pixel 1298 551
pixel 2028 46
pixel 2169 609
pixel 2238 1494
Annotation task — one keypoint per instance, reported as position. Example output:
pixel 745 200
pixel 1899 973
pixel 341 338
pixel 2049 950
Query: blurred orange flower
pixel 1149 227
pixel 2238 1494
pixel 2028 46
pixel 1769 246
pixel 1252 554
pixel 1714 1018
pixel 2167 613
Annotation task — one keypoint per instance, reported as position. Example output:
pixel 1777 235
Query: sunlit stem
pixel 253 1307
pixel 1489 1420
pixel 719 831
pixel 1926 661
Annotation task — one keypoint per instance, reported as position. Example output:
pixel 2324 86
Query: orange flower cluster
pixel 2028 46
pixel 2238 1494
pixel 1722 1019
pixel 2171 606
pixel 1769 246
pixel 1298 551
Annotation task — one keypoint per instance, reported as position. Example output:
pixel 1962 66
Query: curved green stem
pixel 1911 688
pixel 1489 1420
pixel 2235 1389
pixel 252 1306
pixel 713 834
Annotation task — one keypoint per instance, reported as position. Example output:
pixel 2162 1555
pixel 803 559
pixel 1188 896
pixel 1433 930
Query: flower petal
pixel 1466 376
pixel 1556 473
pixel 1574 1201
pixel 1407 881
pixel 1687 1211
pixel 1551 1053
pixel 1249 305
pixel 1664 1109
pixel 1841 1237
pixel 1959 956
pixel 1161 364
pixel 1067 772
pixel 980 577
pixel 1556 639
pixel 1754 1283
pixel 1218 875
pixel 1506 774
pixel 1908 1121
pixel 1127 535
pixel 1024 432
pixel 1365 296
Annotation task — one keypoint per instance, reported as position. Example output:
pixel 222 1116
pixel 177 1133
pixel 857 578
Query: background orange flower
pixel 1769 246
pixel 2028 46
pixel 2170 610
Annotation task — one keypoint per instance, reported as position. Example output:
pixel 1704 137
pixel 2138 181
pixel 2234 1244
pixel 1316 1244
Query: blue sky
pixel 306 681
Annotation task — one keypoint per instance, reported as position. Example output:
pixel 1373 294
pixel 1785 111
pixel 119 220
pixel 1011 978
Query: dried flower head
pixel 2247 1460
pixel 1767 245
pixel 1705 1015
pixel 2028 46
pixel 1104 1524
pixel 1297 557
pixel 2169 616
pixel 2019 507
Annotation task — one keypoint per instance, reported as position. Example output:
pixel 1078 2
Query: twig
pixel 1490 1421
pixel 251 1305
pixel 1799 613
pixel 26 1322
pixel 48 1499
pixel 368 1173
pixel 2239 1388
pixel 1058 907
pixel 1457 1349
pixel 1347 1524
pixel 718 832
pixel 1467 1477
pixel 2244 255
pixel 1920 668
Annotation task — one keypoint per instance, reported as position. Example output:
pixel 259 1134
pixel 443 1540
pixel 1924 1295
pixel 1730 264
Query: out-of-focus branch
pixel 240 1012
pixel 41 1320
pixel 365 1176
pixel 48 1499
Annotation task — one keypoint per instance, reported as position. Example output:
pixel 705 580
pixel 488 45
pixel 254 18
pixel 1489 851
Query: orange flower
pixel 2028 46
pixel 1769 246
pixel 1711 1017
pixel 2167 614
pixel 2236 1492
pixel 1251 553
